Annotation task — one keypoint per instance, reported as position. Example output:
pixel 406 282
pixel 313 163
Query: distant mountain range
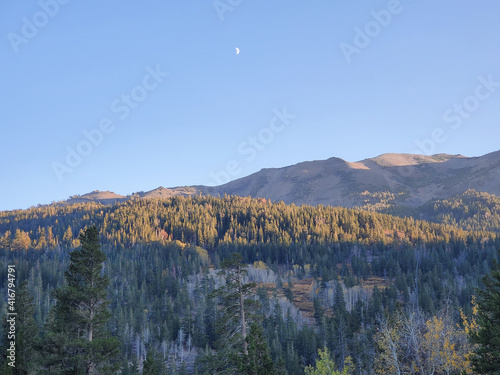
pixel 402 180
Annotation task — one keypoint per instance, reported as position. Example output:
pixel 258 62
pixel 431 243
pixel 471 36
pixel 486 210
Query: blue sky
pixel 348 79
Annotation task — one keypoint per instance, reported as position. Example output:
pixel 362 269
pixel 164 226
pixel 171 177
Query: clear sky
pixel 131 95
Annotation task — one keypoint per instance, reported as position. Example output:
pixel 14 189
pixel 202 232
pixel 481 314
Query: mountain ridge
pixel 412 179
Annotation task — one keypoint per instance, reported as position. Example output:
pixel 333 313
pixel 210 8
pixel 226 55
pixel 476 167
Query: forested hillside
pixel 471 210
pixel 324 276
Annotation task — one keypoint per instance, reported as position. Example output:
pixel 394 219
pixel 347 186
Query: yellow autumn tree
pixel 409 344
pixel 21 240
pixel 470 327
pixel 470 323
pixel 326 366
pixel 446 347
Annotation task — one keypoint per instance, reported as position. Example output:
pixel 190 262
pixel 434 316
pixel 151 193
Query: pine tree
pixel 5 241
pixel 486 359
pixel 234 295
pixel 77 340
pixel 232 323
pixel 151 365
pixel 341 325
pixel 68 237
pixel 258 360
pixel 183 370
pixel 21 240
pixel 26 334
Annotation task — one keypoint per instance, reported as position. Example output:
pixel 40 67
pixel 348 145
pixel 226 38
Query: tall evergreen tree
pixel 258 360
pixel 78 341
pixel 151 365
pixel 340 319
pixel 235 311
pixel 486 359
pixel 234 295
pixel 26 334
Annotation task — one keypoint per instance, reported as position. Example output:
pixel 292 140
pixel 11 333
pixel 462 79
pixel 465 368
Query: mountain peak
pixel 400 160
pixel 338 182
pixel 105 197
pixel 162 192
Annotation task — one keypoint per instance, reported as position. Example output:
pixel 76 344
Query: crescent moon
pixel 237 51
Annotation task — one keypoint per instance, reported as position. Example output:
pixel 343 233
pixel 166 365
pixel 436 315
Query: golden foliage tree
pixel 409 344
pixel 326 366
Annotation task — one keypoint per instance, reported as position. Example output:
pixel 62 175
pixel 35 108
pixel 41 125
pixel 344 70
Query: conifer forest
pixel 234 285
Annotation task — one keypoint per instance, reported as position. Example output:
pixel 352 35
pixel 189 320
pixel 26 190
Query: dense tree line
pixel 161 257
pixel 211 222
pixel 471 210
